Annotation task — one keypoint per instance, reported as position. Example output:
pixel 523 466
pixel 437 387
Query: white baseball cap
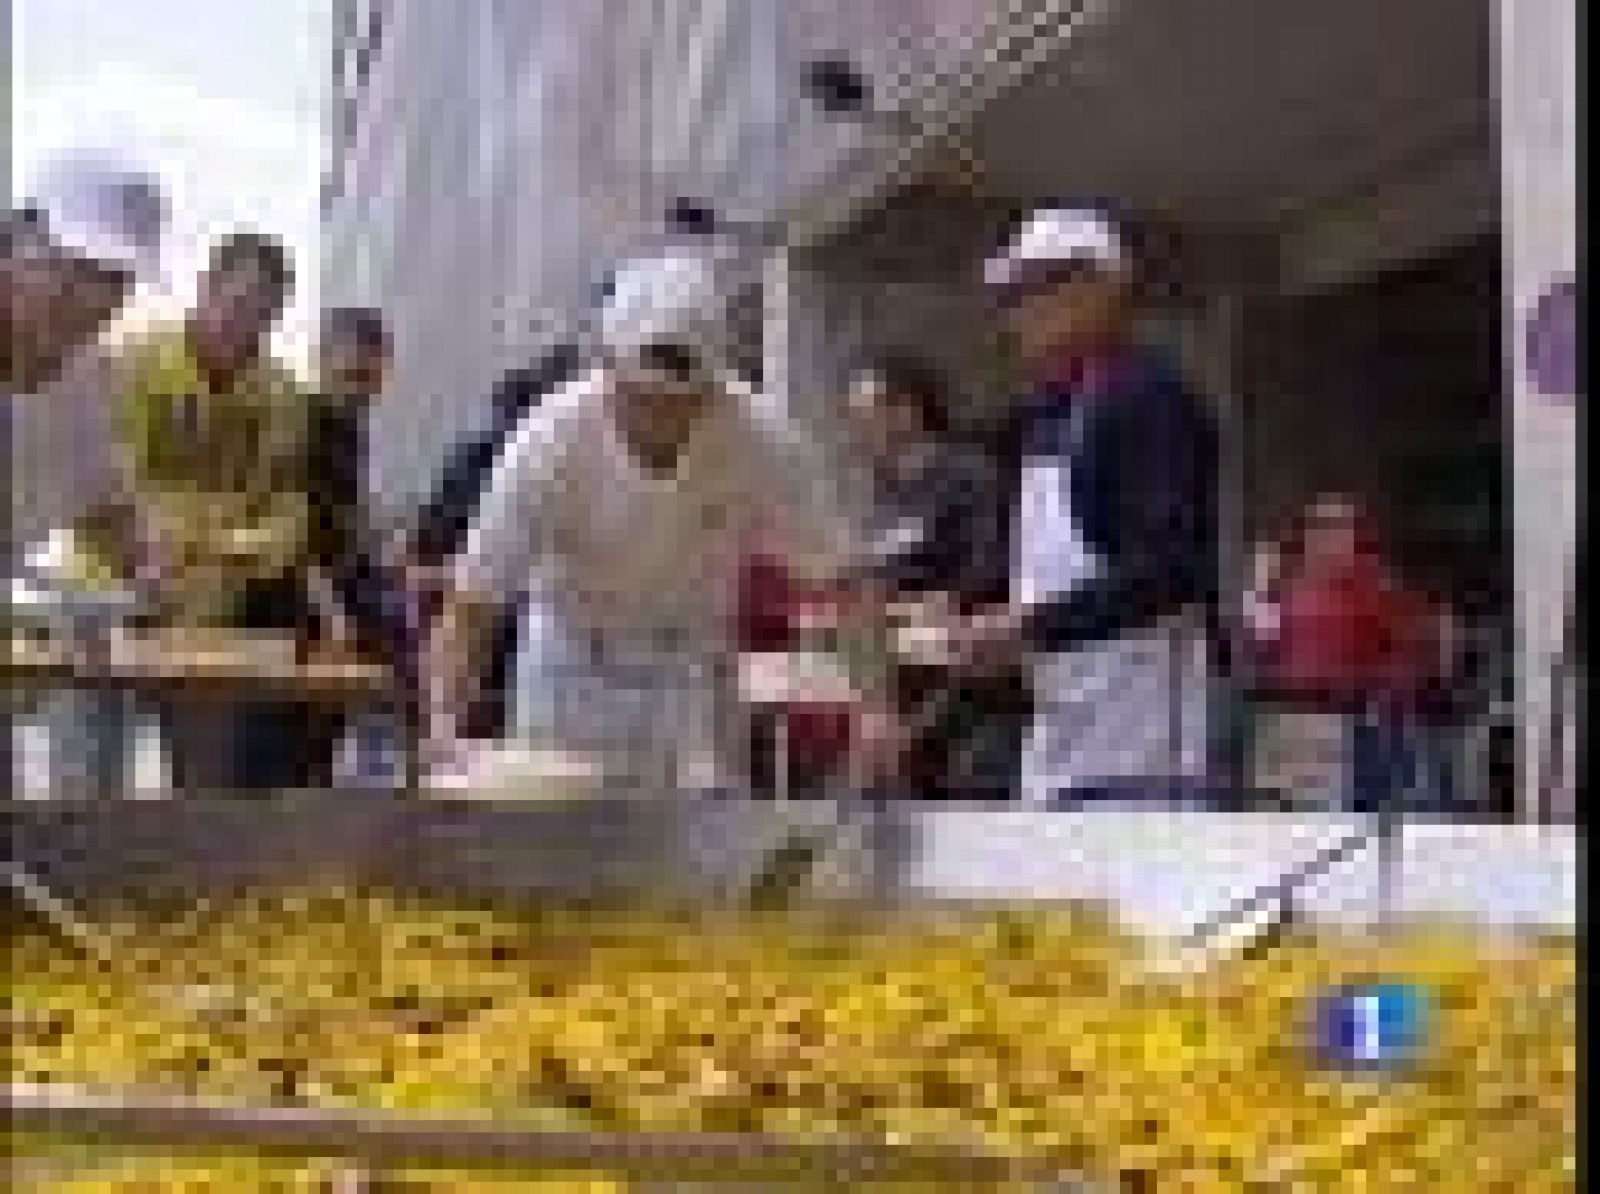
pixel 104 208
pixel 1060 235
pixel 678 297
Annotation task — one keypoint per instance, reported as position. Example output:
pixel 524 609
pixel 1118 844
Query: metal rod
pixel 1565 714
pixel 97 942
pixel 1281 890
pixel 374 1139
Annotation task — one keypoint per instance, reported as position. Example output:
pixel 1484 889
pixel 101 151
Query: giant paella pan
pixel 364 991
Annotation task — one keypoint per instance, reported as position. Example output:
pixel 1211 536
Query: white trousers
pixel 1133 709
pixel 656 711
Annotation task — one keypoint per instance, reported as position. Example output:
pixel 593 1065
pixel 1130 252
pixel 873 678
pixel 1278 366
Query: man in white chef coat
pixel 619 511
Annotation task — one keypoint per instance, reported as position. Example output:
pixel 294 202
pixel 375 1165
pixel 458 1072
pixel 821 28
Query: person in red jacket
pixel 1336 630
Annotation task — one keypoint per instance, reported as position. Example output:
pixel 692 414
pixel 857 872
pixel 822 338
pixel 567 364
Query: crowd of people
pixel 1045 623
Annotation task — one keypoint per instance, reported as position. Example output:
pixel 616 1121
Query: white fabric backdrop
pixel 1539 124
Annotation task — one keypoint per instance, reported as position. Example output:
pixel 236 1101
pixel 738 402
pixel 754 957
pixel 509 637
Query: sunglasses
pixel 666 364
pixel 1041 278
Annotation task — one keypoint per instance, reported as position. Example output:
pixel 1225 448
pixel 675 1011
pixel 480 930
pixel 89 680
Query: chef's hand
pixel 990 641
pixel 1266 569
pixel 335 634
pixel 450 668
pixel 878 755
pixel 445 743
pixel 446 752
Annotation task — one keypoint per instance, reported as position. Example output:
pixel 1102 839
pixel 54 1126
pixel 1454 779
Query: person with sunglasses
pixel 617 514
pixel 1115 541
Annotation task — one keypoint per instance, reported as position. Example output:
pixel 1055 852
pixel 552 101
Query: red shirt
pixel 770 598
pixel 1352 636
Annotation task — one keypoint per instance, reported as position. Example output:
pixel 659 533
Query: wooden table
pixel 219 669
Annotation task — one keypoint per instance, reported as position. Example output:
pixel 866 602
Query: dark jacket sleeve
pixel 963 550
pixel 982 526
pixel 333 471
pixel 447 517
pixel 444 522
pixel 1155 494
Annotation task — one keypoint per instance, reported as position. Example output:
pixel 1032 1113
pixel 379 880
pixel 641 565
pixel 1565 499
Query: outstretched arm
pixel 503 547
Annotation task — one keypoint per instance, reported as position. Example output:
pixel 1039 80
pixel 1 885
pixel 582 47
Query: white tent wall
pixel 419 255
pixel 512 149
pixel 1538 60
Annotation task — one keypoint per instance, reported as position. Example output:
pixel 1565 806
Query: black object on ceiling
pixel 838 87
pixel 693 216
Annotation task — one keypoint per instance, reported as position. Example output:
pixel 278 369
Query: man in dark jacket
pixel 1116 536
pixel 448 515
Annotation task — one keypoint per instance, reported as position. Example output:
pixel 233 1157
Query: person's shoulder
pixel 1043 425
pixel 748 406
pixel 528 385
pixel 149 340
pixel 1153 374
pixel 285 378
pixel 100 369
pixel 549 430
pixel 573 402
pixel 153 356
pixel 1156 391
pixel 751 421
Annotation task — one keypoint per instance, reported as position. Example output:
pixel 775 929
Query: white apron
pixel 1130 709
pixel 653 707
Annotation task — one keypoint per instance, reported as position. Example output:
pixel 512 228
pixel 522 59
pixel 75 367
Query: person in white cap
pixel 1115 537
pixel 89 230
pixel 619 511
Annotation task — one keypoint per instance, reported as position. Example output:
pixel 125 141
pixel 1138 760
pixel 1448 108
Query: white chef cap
pixel 1057 235
pixel 104 207
pixel 679 297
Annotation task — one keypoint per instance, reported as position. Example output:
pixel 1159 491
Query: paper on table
pixel 796 678
pixel 499 771
pixel 925 643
